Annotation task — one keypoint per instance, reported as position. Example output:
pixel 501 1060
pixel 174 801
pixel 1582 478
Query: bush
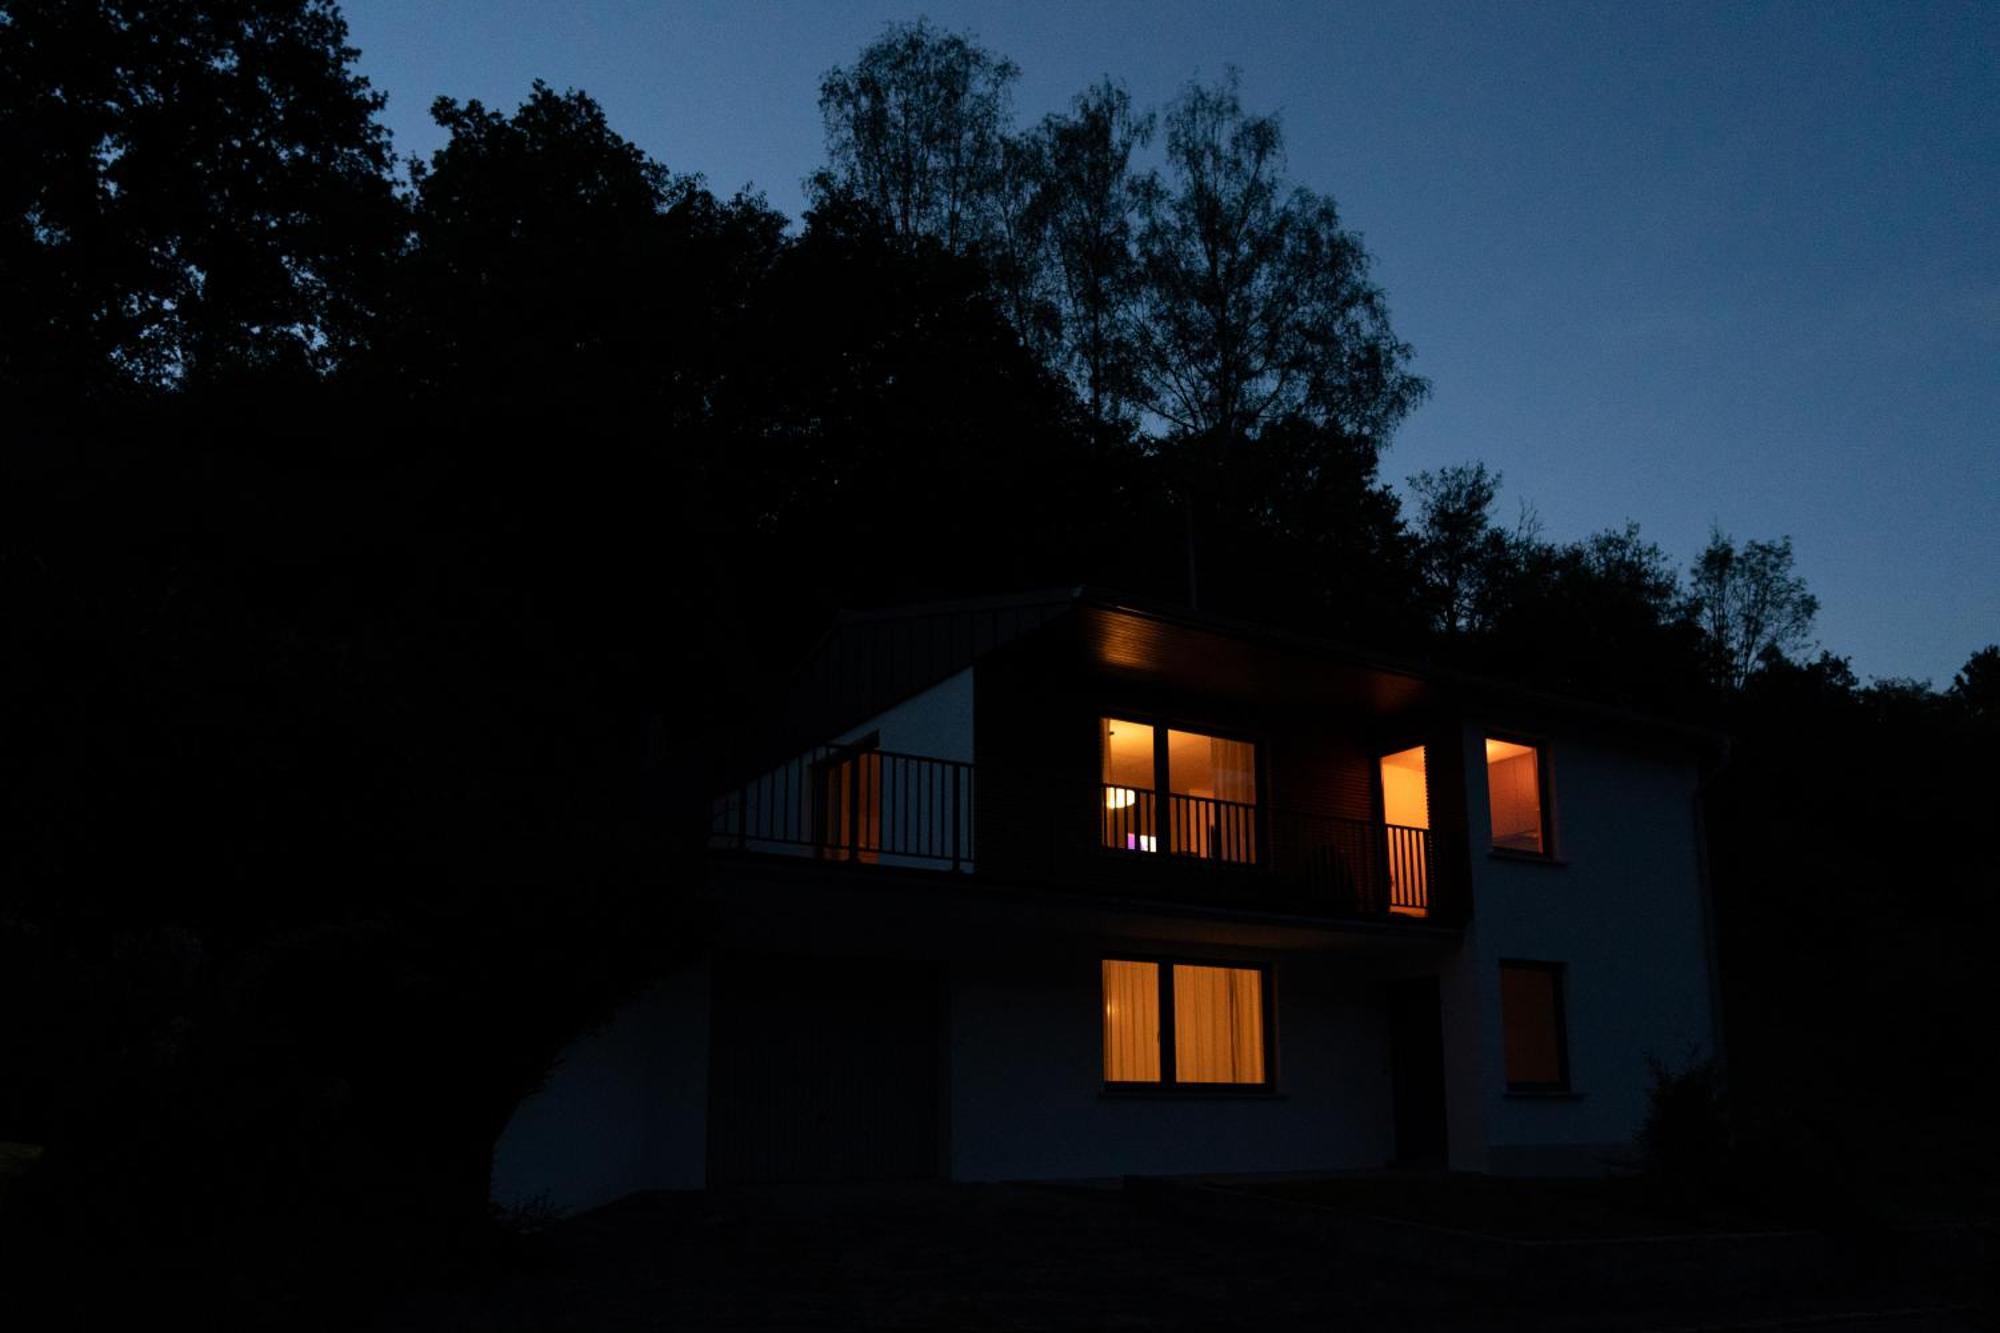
pixel 1687 1146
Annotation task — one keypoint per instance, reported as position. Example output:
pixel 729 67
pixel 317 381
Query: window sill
pixel 1191 1092
pixel 1544 1095
pixel 1525 858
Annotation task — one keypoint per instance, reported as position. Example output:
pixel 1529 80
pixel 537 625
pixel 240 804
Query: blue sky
pixel 1681 264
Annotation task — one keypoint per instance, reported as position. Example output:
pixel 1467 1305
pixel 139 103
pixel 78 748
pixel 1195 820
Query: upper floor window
pixel 1516 796
pixel 1196 791
pixel 1406 819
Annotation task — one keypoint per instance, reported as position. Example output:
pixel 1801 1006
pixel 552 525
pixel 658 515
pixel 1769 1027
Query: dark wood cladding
pixel 1320 729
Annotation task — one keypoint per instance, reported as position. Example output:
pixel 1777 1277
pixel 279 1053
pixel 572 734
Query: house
pixel 1063 886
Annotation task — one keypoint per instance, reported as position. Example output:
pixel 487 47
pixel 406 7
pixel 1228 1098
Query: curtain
pixel 1218 1024
pixel 1131 1022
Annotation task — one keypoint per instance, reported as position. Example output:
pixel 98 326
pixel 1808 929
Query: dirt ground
pixel 994 1257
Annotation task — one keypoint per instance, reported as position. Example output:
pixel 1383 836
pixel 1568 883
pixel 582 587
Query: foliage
pixel 1087 201
pixel 1257 304
pixel 1686 1145
pixel 189 191
pixel 916 129
pixel 1461 553
pixel 1750 604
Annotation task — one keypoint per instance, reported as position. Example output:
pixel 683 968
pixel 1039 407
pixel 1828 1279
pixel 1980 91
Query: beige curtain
pixel 1218 1024
pixel 1131 1022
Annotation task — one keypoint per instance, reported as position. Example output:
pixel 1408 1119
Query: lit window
pixel 850 805
pixel 1406 811
pixel 1514 797
pixel 1531 1023
pixel 1210 785
pixel 1217 1024
pixel 1127 748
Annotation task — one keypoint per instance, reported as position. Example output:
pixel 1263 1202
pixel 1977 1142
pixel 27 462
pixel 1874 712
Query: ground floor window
pixel 1535 1044
pixel 1169 1024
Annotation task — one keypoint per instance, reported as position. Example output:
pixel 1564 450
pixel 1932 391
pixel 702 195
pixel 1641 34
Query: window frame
pixel 1162 788
pixel 1544 795
pixel 1169 1085
pixel 1559 985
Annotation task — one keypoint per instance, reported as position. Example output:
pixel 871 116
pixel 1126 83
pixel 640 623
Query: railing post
pixel 954 816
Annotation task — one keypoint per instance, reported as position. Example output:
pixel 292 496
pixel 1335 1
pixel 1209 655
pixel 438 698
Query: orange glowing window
pixel 849 805
pixel 1213 1033
pixel 1406 811
pixel 1129 798
pixel 1531 1023
pixel 1164 789
pixel 1514 794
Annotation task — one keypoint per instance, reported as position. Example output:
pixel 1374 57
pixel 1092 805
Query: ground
pixel 998 1257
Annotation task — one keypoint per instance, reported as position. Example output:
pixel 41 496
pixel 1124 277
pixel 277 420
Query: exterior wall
pixel 1620 906
pixel 1028 1102
pixel 936 724
pixel 624 1110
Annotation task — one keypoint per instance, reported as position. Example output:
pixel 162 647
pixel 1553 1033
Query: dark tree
pixel 190 191
pixel 1749 604
pixel 1460 551
pixel 916 130
pixel 1258 304
pixel 1086 202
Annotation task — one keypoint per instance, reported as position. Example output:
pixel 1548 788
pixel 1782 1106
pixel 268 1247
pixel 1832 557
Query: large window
pixel 1516 796
pixel 1183 1024
pixel 1535 1043
pixel 1181 791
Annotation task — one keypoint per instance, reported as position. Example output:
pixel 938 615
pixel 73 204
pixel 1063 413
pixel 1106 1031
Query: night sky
pixel 1678 264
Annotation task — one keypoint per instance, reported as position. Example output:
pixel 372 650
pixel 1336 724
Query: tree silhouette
pixel 189 191
pixel 916 130
pixel 1086 202
pixel 1257 301
pixel 1749 605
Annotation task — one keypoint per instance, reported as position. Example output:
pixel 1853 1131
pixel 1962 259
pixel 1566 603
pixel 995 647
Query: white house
pixel 1059 886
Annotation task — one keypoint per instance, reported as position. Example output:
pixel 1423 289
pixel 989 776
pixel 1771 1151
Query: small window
pixel 1531 1023
pixel 1184 1024
pixel 1514 795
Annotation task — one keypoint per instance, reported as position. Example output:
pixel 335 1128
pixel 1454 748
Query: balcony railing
pixel 873 807
pixel 1365 867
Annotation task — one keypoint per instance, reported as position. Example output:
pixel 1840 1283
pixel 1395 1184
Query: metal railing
pixel 873 807
pixel 1362 866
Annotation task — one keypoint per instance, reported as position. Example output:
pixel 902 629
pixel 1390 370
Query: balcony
pixel 876 808
pixel 1360 867
pixel 864 807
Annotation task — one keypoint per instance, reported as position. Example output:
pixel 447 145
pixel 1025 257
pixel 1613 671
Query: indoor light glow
pixel 1117 798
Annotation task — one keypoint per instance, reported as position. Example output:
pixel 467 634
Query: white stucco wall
pixel 1027 1081
pixel 936 723
pixel 624 1110
pixel 1620 906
